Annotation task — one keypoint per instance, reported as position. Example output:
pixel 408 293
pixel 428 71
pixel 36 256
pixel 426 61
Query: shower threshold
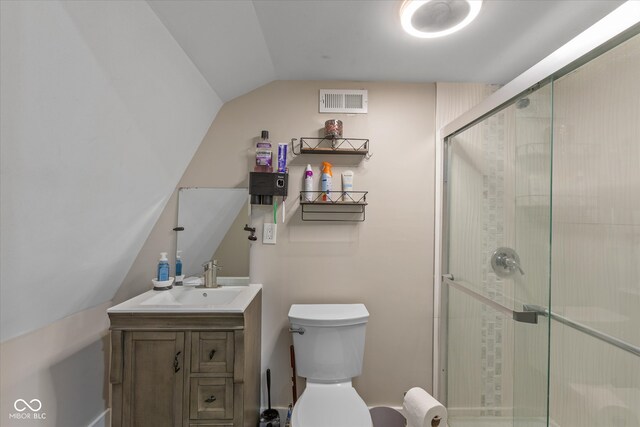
pixel 478 421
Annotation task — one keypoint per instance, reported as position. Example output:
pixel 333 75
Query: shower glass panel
pixel 498 194
pixel 547 331
pixel 596 241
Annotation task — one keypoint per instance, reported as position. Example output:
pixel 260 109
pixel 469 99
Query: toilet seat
pixel 330 405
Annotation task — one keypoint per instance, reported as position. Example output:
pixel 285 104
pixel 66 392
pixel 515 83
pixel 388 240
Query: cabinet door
pixel 153 379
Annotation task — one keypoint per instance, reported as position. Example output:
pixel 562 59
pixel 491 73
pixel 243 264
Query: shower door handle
pixel 528 315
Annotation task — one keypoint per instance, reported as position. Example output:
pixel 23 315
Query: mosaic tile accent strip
pixel 493 148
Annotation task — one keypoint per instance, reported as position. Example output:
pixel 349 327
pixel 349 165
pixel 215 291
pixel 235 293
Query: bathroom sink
pixel 224 299
pixel 208 296
pixel 193 296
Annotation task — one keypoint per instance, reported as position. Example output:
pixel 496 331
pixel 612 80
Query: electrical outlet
pixel 269 232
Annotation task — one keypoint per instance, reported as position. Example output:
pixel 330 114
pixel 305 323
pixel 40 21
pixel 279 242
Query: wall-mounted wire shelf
pixel 309 145
pixel 342 206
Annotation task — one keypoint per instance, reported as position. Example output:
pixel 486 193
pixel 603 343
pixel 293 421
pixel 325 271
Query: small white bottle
pixel 308 184
pixel 347 186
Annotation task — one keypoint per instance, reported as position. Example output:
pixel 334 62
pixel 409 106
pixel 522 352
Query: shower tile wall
pixel 499 181
pixel 481 220
pixel 493 224
pixel 596 240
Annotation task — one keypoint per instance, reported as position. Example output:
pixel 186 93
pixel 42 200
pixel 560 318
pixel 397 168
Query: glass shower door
pixel 595 362
pixel 497 245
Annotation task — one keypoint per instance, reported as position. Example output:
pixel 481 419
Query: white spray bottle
pixel 308 184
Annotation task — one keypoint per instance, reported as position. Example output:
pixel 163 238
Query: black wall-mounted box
pixel 264 185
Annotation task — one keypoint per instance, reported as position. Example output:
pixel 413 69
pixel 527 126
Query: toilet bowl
pixel 330 405
pixel 329 348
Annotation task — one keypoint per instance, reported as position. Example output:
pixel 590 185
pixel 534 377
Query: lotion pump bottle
pixel 163 268
pixel 326 181
pixel 308 184
pixel 347 186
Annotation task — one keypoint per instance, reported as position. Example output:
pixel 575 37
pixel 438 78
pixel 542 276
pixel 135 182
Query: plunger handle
pixel 269 387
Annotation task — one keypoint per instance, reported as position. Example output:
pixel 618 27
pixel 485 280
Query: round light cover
pixel 437 18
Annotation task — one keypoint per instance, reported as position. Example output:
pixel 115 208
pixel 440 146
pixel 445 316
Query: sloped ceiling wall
pixel 225 41
pixel 101 113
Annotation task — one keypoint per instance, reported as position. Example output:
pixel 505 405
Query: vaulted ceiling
pixel 241 45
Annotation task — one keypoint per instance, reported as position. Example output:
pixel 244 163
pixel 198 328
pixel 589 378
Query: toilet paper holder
pixel 434 422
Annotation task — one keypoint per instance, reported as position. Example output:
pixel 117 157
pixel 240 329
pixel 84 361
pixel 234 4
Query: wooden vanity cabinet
pixel 186 369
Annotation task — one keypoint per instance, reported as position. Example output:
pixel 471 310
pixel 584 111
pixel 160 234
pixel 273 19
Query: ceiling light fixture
pixel 437 18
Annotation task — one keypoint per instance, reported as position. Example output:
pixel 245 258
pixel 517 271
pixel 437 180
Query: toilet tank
pixel 332 345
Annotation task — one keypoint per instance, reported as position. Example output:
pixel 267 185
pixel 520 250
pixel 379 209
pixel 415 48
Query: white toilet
pixel 329 347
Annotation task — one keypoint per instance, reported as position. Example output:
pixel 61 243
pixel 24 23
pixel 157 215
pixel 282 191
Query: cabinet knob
pixel 211 354
pixel 210 399
pixel 176 362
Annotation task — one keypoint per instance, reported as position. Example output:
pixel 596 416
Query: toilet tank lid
pixel 328 314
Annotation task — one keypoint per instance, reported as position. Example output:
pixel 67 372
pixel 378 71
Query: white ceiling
pixel 240 45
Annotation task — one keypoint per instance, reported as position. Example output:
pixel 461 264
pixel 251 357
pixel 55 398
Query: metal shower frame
pixel 620 25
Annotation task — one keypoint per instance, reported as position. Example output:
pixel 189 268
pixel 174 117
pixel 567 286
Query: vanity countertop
pixel 187 299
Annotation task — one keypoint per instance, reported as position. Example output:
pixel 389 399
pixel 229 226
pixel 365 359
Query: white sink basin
pixel 227 299
pixel 213 297
pixel 193 296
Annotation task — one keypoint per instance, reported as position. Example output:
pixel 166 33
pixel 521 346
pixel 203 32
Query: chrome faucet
pixel 211 273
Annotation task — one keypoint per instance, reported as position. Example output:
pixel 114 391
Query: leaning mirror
pixel 213 220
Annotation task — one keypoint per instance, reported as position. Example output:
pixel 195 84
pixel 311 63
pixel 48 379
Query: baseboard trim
pixel 102 420
pixel 283 412
pixel 505 411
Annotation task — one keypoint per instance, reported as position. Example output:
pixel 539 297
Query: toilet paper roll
pixel 420 408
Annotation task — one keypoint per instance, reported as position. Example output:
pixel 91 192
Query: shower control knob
pixel 505 262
